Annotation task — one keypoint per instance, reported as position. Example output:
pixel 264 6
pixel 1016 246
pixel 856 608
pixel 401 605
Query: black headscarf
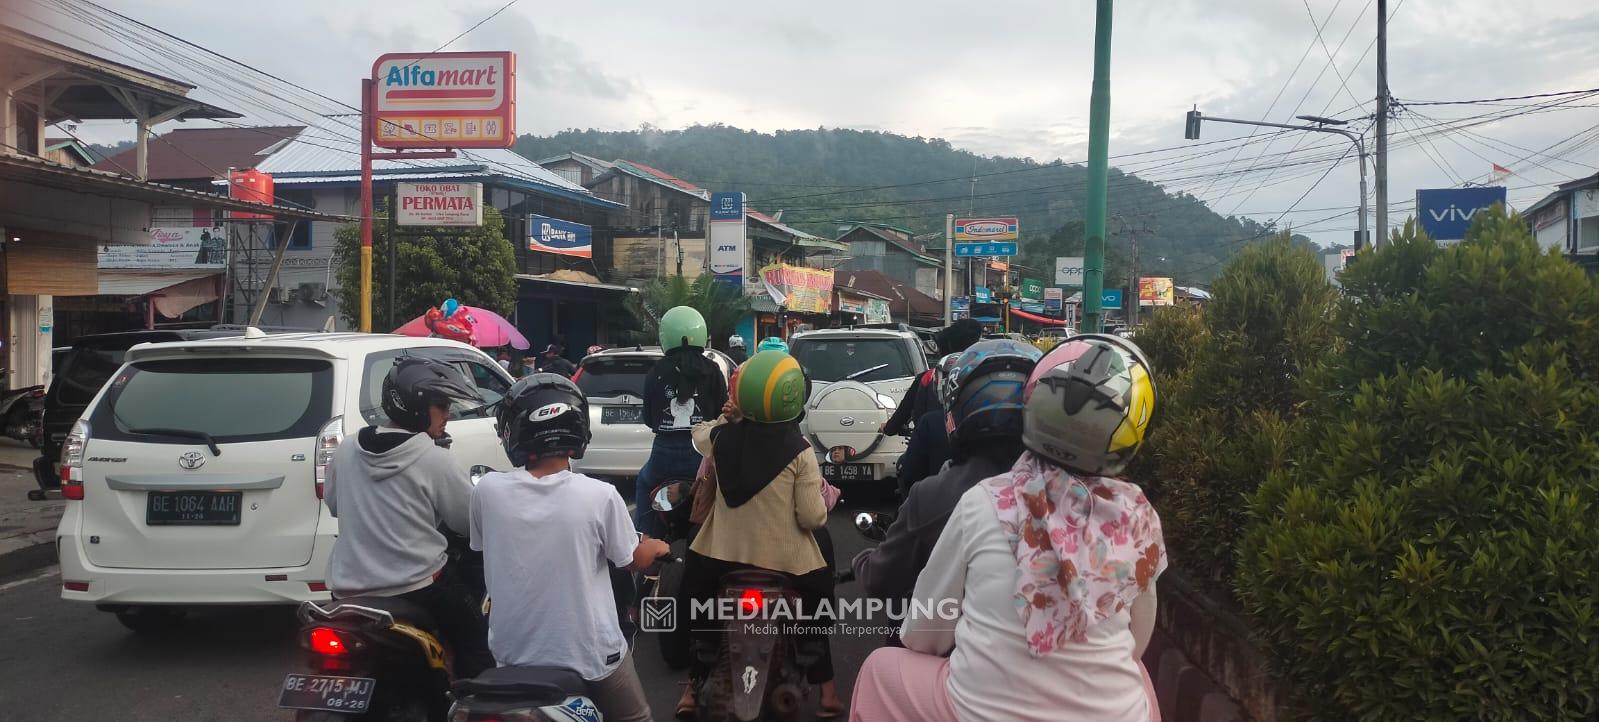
pixel 750 455
pixel 689 363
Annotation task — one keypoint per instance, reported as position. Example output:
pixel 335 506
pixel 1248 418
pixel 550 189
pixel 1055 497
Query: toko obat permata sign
pixel 444 100
pixel 439 204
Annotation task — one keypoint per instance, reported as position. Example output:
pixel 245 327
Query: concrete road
pixel 61 661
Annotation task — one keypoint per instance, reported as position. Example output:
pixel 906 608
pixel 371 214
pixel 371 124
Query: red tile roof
pixel 878 283
pixel 202 153
pixel 664 176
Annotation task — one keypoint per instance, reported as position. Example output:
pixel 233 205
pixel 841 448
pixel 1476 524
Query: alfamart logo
pixel 759 614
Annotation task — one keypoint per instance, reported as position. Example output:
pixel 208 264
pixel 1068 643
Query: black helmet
pixel 543 415
pixel 415 384
pixel 982 391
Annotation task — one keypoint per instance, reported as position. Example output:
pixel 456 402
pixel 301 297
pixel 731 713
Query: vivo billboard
pixel 1446 213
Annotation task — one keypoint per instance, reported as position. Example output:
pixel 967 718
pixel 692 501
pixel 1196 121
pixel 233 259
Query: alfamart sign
pixel 439 204
pixel 444 100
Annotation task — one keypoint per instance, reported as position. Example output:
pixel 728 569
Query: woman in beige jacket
pixel 768 505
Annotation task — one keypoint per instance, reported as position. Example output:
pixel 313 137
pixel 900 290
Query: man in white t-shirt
pixel 547 535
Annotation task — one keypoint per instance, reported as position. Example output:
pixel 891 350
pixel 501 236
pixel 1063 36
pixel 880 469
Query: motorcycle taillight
pixel 751 600
pixel 323 640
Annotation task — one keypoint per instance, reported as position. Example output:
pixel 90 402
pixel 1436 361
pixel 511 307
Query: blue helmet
pixel 772 343
pixel 982 390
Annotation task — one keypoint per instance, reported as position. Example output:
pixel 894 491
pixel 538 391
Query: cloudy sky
pixel 1000 77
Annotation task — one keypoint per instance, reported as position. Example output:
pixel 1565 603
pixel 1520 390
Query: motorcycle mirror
pixel 663 499
pixel 477 471
pixel 871 526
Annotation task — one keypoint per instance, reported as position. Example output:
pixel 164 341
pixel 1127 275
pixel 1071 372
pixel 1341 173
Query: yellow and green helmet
pixel 769 388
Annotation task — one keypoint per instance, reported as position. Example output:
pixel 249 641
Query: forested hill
pixel 819 178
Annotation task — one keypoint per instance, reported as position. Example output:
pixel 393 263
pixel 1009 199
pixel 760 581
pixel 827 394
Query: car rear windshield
pixel 86 370
pixel 604 377
pixel 863 359
pixel 232 399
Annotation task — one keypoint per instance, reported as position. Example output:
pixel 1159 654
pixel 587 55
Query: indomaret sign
pixel 439 204
pixel 444 100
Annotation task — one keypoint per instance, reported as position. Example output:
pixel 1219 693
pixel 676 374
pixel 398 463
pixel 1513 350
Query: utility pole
pixel 949 267
pixel 1098 173
pixel 1382 123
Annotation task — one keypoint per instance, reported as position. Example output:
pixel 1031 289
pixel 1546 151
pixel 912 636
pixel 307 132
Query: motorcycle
pixel 531 694
pixel 20 412
pixel 757 672
pixel 375 658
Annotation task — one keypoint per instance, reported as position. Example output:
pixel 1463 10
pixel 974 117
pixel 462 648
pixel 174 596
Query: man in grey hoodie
pixel 391 490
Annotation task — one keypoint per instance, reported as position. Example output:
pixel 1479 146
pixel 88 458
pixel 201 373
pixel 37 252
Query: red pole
pixel 366 204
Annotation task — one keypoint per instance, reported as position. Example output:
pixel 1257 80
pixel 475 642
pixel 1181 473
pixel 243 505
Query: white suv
pixel 613 381
pixel 857 376
pixel 195 476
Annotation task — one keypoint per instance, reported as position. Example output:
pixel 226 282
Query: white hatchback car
pixel 613 381
pixel 858 375
pixel 195 477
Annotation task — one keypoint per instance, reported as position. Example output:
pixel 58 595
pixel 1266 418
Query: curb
pixel 18 562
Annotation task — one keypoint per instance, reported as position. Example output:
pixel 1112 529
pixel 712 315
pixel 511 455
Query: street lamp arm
pixel 1312 128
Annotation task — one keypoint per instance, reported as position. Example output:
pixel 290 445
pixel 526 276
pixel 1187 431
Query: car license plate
pixel 849 472
pixel 332 694
pixel 179 508
pixel 622 415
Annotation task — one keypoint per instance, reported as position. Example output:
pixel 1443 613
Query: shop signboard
pixel 179 248
pixel 877 311
pixel 1032 289
pixel 444 100
pixel 1156 292
pixel 1446 213
pixel 1054 299
pixel 1069 271
pixel 727 229
pixel 553 235
pixel 439 204
pixel 1111 299
pixel 983 294
pixel 799 289
pixel 851 304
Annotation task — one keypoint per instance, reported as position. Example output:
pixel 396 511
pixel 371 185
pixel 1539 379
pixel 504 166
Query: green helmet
pixel 683 326
pixel 769 388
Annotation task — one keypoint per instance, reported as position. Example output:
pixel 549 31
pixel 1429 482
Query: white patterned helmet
pixel 1088 403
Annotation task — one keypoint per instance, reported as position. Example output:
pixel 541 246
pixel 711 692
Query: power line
pixel 1500 100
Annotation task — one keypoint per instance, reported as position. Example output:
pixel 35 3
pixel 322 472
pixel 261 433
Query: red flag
pixel 1500 170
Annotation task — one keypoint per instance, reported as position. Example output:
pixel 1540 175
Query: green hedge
pixel 1428 549
pixel 1229 382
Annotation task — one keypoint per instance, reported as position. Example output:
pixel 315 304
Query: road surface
pixel 61 661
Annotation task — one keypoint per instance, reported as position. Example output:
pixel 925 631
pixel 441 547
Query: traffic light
pixel 1191 127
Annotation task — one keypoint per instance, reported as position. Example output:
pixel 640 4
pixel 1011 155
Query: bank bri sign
pixel 1446 213
pixel 444 100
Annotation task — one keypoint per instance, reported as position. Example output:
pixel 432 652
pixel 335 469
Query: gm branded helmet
pixel 543 415
pixel 1089 402
pixel 982 391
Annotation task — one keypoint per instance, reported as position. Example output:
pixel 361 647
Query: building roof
pixel 660 177
pixel 91 87
pixel 329 153
pixel 42 172
pixel 895 243
pixel 71 144
pixel 588 160
pixel 896 292
pixel 199 153
pixel 1561 191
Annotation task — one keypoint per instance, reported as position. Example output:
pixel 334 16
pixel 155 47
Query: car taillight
pixel 327 641
pixel 72 461
pixel 327 442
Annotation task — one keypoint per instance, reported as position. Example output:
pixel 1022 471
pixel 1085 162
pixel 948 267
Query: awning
pixel 1036 318
pixel 143 283
pixel 172 293
pixel 574 279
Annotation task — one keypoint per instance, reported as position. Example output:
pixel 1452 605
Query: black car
pixel 79 373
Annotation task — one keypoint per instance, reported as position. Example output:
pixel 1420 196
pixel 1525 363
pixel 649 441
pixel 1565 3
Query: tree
pixel 722 305
pixel 476 266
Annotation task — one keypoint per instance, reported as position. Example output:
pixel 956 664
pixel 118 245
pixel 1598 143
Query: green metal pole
pixel 1098 170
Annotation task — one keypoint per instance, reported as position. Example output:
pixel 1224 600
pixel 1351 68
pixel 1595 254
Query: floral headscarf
pixel 1085 547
